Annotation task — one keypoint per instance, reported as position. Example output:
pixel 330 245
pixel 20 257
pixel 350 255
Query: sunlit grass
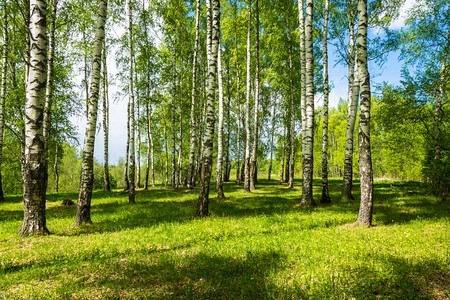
pixel 255 246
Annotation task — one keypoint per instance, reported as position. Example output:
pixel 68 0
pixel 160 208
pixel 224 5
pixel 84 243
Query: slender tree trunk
pixel 174 78
pixel 437 131
pixel 247 104
pixel 3 91
pixel 127 155
pixel 150 148
pixel 353 96
pixel 191 168
pixel 55 167
pixel 87 166
pixel 35 173
pixel 219 182
pixel 302 71
pixel 254 156
pixel 138 151
pixel 272 132
pixel 290 173
pixel 238 100
pixel 365 157
pixel 325 194
pixel 166 182
pixel 308 160
pixel 180 152
pixel 49 85
pixel 132 168
pixel 283 155
pixel 227 142
pixel 214 33
pixel 86 75
pixel 107 187
pixel 287 148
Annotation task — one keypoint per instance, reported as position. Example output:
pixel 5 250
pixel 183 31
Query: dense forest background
pixel 405 118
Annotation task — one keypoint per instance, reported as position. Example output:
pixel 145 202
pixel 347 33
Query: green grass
pixel 254 246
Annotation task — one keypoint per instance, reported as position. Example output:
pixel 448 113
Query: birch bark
pixel 87 166
pixel 35 172
pixel 365 157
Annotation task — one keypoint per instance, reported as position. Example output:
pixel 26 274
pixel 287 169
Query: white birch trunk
pixel 87 166
pixel 253 165
pixel 365 157
pixel 219 182
pixel 205 176
pixel 353 97
pixel 3 91
pixel 132 168
pixel 308 160
pixel 325 194
pixel 247 104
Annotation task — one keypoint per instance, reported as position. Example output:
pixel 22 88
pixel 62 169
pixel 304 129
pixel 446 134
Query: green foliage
pixel 259 245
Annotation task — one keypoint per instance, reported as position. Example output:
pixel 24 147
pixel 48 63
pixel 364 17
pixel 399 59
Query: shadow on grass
pixel 194 276
pixel 394 203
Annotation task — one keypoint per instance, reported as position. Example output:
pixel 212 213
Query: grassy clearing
pixel 254 246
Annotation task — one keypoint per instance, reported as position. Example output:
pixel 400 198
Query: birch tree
pixel 191 167
pixel 219 181
pixel 3 90
pixel 213 33
pixel 256 106
pixel 365 156
pixel 247 104
pixel 353 97
pixel 35 172
pixel 106 187
pixel 132 168
pixel 238 100
pixel 272 133
pixel 87 167
pixel 307 182
pixel 49 85
pixel 325 194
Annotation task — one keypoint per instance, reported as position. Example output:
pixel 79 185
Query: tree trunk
pixel 325 194
pixel 254 156
pixel 191 168
pixel 290 162
pixel 55 168
pixel 302 71
pixel 227 143
pixel 3 91
pixel 127 155
pixel 272 132
pixel 49 85
pixel 132 168
pixel 87 166
pixel 436 128
pixel 219 182
pixel 213 33
pixel 283 156
pixel 35 173
pixel 180 152
pixel 365 158
pixel 138 151
pixel 107 187
pixel 353 96
pixel 308 163
pixel 174 76
pixel 247 104
pixel 166 182
pixel 238 100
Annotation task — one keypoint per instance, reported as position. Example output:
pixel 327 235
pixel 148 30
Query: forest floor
pixel 260 245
